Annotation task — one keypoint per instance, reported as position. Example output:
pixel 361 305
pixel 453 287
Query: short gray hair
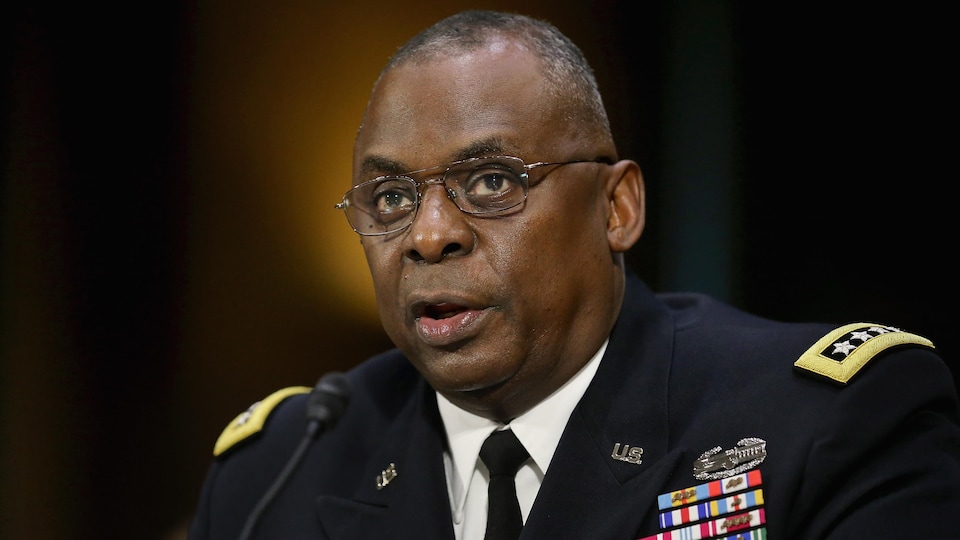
pixel 566 69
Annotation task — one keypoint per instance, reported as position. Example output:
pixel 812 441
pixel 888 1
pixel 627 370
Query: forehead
pixel 492 100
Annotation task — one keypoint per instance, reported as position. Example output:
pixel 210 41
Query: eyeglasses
pixel 486 186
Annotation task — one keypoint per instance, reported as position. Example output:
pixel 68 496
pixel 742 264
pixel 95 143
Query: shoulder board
pixel 251 421
pixel 843 352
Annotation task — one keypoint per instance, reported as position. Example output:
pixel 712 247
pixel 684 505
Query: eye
pixel 390 199
pixel 493 186
pixel 490 183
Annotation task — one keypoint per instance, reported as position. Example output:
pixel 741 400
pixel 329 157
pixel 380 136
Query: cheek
pixel 534 262
pixel 564 236
pixel 383 270
pixel 562 251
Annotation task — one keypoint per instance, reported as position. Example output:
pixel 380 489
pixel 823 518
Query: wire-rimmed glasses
pixel 484 185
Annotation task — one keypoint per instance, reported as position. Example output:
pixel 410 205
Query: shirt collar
pixel 539 429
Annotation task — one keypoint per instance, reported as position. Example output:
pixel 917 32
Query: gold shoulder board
pixel 843 352
pixel 251 421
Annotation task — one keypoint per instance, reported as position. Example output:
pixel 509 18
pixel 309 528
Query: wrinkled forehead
pixel 450 107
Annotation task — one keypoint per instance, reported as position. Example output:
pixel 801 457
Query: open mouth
pixel 442 311
pixel 444 324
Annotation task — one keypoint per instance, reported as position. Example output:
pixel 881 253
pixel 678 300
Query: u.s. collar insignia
pixel 713 465
pixel 632 455
pixel 386 476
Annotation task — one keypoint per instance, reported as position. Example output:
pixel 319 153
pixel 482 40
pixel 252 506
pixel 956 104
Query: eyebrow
pixel 382 165
pixel 482 148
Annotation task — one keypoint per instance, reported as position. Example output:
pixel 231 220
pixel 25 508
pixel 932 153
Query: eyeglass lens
pixel 476 186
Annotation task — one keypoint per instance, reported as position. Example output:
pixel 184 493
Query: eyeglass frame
pixel 442 179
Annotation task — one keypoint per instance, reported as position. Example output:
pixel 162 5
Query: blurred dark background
pixel 169 252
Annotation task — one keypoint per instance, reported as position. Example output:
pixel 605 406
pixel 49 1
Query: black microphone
pixel 325 406
pixel 327 401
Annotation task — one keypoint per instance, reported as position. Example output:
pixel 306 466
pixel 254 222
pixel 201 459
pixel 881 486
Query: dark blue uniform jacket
pixel 684 379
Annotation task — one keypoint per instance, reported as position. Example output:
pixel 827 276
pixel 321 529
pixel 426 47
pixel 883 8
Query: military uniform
pixel 701 421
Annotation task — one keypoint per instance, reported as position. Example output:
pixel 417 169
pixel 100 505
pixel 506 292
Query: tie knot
pixel 503 453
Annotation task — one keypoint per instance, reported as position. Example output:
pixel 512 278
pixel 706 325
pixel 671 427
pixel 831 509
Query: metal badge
pixel 712 465
pixel 386 476
pixel 628 454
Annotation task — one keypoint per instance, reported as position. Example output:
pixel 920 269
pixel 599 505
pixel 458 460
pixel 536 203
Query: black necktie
pixel 503 454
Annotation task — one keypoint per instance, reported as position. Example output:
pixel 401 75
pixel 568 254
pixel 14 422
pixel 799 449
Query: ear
pixel 626 197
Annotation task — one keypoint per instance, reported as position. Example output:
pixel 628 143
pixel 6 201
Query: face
pixel 495 312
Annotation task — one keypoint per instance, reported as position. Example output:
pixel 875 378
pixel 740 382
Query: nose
pixel 439 229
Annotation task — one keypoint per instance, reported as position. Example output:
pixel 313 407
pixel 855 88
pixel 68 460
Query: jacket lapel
pixel 413 504
pixel 595 487
pixel 586 493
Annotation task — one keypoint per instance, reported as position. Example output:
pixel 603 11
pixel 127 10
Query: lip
pixel 443 322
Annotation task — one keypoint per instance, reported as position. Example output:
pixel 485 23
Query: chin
pixel 471 377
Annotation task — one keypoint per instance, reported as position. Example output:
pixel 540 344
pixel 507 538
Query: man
pixel 494 213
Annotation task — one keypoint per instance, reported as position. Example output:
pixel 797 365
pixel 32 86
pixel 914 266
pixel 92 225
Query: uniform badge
pixel 627 453
pixel 842 353
pixel 249 423
pixel 386 476
pixel 713 465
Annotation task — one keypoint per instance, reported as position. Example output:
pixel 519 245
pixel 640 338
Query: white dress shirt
pixel 538 429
